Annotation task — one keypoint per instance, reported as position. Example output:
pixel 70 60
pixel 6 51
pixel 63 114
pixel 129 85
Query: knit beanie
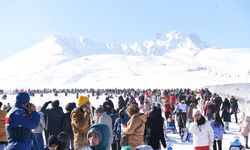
pixel 82 100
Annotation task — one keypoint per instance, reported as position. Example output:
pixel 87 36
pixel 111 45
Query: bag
pixel 124 140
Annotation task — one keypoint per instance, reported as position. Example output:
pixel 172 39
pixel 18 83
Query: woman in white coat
pixel 203 135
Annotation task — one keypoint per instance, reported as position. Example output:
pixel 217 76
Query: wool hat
pixel 22 98
pixel 99 110
pixel 82 100
pixel 196 112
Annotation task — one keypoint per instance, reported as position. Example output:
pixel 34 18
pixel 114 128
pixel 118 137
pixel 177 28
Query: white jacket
pixel 203 135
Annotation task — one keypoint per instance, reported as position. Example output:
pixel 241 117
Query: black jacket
pixel 154 129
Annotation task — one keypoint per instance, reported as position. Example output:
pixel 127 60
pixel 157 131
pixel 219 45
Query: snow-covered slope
pixel 174 60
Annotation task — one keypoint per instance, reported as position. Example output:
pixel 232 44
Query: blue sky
pixel 220 22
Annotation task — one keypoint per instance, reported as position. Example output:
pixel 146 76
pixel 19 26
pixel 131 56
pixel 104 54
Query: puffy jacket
pixel 135 130
pixel 245 127
pixel 203 134
pixel 19 124
pixel 80 122
pixel 218 130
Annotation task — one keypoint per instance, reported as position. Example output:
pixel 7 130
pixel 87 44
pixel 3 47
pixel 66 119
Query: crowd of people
pixel 137 122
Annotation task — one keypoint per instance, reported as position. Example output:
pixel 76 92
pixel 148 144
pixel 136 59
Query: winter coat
pixel 135 129
pixel 80 122
pixel 234 105
pixel 218 130
pixel 172 100
pixel 117 129
pixel 245 127
pixel 66 123
pixel 226 104
pixel 167 106
pixel 108 106
pixel 202 132
pixel 209 108
pixel 217 101
pixel 106 119
pixel 20 120
pixel 53 119
pixel 154 129
pixel 3 138
pixel 226 115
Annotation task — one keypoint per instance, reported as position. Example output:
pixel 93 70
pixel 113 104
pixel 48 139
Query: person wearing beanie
pixel 104 118
pixel 98 137
pixel 82 100
pixel 80 122
pixel 19 121
pixel 203 135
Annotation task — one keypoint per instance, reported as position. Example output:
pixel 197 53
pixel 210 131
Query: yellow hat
pixel 82 100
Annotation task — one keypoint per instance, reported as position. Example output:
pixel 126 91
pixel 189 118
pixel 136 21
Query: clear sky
pixel 224 23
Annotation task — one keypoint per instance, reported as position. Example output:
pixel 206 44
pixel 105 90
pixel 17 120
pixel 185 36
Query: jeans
pixel 2 146
pixel 38 143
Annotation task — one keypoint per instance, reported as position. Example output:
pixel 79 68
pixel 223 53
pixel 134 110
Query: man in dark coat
pixel 66 123
pixel 54 117
pixel 108 106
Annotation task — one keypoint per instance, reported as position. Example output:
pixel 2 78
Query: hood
pixel 22 98
pixel 103 134
pixel 141 116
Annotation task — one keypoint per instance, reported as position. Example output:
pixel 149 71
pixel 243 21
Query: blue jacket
pixel 19 124
pixel 218 131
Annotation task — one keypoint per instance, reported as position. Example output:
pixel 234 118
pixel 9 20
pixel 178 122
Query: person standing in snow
pixel 218 128
pixel 203 135
pixel 19 121
pixel 104 118
pixel 80 122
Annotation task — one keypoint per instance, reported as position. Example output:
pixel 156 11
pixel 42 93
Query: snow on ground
pixel 173 139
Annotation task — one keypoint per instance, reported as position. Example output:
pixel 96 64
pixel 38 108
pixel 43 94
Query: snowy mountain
pixel 174 60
